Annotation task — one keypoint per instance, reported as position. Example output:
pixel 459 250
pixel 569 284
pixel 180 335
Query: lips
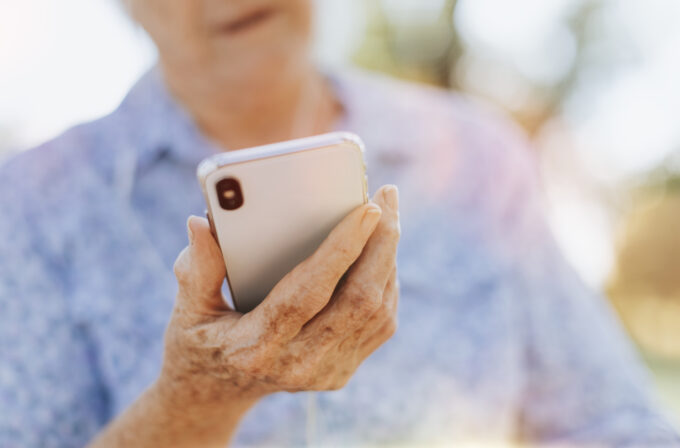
pixel 248 20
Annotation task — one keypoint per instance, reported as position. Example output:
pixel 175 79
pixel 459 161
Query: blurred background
pixel 595 84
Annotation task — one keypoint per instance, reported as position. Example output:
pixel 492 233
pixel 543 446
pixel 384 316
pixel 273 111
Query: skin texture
pixel 310 333
pixel 241 69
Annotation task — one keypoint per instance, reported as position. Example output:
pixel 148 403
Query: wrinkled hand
pixel 310 333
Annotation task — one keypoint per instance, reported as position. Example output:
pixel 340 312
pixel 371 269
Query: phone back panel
pixel 294 194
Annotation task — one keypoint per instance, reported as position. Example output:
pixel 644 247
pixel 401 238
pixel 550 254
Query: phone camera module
pixel 229 194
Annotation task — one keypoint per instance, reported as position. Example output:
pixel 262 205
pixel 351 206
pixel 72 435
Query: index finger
pixel 362 292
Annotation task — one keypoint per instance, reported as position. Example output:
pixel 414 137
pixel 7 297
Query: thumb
pixel 200 273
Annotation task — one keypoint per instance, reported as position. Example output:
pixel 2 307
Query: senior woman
pixel 499 341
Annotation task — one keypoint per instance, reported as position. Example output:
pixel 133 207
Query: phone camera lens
pixel 229 194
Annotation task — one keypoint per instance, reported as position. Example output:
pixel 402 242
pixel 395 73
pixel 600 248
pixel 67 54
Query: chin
pixel 266 62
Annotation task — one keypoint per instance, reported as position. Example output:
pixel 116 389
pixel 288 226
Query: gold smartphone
pixel 270 207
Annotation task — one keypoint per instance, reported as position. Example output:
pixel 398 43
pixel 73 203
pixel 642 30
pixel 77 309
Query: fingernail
pixel 391 195
pixel 371 216
pixel 190 231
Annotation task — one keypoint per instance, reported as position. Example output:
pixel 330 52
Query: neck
pixel 252 111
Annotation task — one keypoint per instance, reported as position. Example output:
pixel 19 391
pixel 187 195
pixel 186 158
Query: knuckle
pixel 181 269
pixel 371 305
pixel 312 291
pixel 308 286
pixel 341 248
pixel 391 327
pixel 378 317
pixel 297 379
pixel 365 297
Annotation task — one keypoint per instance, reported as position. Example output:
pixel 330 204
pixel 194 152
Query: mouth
pixel 248 21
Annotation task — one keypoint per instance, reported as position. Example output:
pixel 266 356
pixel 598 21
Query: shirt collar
pixel 159 126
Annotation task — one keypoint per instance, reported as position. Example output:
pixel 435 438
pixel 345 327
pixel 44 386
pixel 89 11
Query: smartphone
pixel 270 207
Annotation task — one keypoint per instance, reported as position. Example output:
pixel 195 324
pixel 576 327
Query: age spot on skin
pixel 327 334
pixel 202 335
pixel 284 315
pixel 286 360
pixel 216 354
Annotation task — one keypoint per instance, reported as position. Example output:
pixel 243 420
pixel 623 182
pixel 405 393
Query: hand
pixel 308 334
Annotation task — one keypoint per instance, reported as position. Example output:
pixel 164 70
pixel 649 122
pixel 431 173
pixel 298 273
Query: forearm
pixel 158 418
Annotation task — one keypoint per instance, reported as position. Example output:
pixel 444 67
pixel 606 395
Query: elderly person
pixel 498 341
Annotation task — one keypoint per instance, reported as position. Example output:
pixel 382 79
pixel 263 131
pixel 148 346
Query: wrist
pixel 195 417
pixel 168 415
pixel 199 404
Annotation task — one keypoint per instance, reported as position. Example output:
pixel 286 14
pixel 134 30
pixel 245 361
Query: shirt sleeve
pixel 585 384
pixel 49 394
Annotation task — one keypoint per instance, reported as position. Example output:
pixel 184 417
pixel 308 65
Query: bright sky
pixel 64 62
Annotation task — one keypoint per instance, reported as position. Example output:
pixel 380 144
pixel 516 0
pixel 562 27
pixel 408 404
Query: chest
pixel 453 368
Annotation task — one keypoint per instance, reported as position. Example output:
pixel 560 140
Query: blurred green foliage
pixel 433 51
